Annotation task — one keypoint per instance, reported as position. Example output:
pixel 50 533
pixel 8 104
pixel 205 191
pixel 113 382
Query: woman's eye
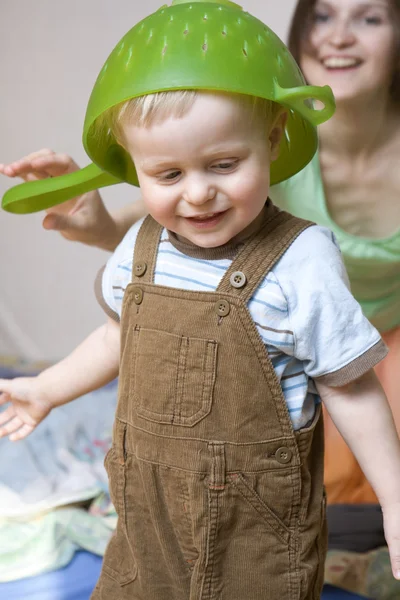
pixel 320 17
pixel 373 20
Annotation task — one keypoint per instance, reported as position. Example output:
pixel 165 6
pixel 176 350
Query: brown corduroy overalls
pixel 218 498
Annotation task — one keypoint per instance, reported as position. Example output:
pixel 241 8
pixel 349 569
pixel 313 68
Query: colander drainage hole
pixel 205 47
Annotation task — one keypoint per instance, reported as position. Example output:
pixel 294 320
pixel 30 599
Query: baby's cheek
pixel 250 193
pixel 161 212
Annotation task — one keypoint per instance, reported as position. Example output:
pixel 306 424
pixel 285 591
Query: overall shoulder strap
pixel 260 253
pixel 145 253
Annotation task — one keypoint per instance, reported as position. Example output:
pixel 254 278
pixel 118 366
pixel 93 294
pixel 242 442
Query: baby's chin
pixel 206 242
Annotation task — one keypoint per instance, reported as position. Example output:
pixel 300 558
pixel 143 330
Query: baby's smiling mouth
pixel 210 218
pixel 205 217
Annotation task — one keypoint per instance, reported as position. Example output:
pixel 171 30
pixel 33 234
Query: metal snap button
pixel 137 295
pixel 139 269
pixel 283 455
pixel 238 279
pixel 222 308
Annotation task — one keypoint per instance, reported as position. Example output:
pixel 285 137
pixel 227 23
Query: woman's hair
pixel 301 24
pixel 155 108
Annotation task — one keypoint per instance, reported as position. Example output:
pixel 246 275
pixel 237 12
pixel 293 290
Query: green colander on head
pixel 211 45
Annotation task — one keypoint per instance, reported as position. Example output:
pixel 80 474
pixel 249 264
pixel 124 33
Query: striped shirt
pixel 311 325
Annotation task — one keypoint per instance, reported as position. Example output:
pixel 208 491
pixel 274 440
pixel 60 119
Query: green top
pixel 373 265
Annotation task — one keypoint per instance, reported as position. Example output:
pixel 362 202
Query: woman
pixel 352 187
pixel 354 47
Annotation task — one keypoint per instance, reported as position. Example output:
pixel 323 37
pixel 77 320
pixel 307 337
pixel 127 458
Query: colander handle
pixel 34 196
pixel 297 98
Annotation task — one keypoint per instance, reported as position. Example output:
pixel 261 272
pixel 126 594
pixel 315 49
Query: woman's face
pixel 351 47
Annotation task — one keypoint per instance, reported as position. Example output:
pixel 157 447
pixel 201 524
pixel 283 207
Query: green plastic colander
pixel 211 45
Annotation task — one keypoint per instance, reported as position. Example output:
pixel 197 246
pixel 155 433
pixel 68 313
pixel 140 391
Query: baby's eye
pixel 171 175
pixel 225 165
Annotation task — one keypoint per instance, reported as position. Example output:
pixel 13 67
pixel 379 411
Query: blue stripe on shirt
pixel 198 260
pixel 294 387
pixel 180 278
pixel 275 343
pixel 283 310
pixel 124 268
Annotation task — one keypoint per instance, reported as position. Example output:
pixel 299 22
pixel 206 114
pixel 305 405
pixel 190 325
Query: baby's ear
pixel 276 133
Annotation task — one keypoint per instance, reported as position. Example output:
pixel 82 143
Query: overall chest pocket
pixel 173 376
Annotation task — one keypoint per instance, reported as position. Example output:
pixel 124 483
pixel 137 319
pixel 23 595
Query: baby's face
pixel 205 176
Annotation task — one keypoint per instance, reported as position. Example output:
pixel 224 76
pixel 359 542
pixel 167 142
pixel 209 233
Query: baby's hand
pixel 391 517
pixel 28 407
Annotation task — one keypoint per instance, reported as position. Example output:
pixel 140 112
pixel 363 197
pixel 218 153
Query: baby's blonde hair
pixel 147 110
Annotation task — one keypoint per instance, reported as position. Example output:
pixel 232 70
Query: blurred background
pixel 51 53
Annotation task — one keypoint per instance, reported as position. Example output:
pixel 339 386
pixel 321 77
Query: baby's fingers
pixel 6 386
pixel 7 415
pixel 12 425
pixel 21 433
pixel 9 428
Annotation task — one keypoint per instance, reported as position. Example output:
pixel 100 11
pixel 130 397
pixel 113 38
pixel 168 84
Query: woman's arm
pixel 91 365
pixel 89 222
pixel 362 414
pixel 122 220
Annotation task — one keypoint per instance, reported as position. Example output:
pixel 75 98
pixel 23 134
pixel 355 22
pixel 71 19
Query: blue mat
pixel 333 593
pixel 77 580
pixel 74 582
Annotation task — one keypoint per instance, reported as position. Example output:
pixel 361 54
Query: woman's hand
pixel 82 219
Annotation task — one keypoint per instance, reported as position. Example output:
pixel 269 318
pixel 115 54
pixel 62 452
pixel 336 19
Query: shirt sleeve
pixel 334 340
pixel 113 278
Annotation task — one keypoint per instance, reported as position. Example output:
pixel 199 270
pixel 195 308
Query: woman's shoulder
pixel 303 194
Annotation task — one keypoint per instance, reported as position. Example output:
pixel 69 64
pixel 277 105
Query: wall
pixel 51 53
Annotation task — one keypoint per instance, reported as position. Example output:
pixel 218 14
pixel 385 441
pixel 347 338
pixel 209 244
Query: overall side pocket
pixel 118 562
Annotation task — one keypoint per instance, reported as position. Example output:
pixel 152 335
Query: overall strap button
pixel 222 308
pixel 137 295
pixel 139 269
pixel 238 279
